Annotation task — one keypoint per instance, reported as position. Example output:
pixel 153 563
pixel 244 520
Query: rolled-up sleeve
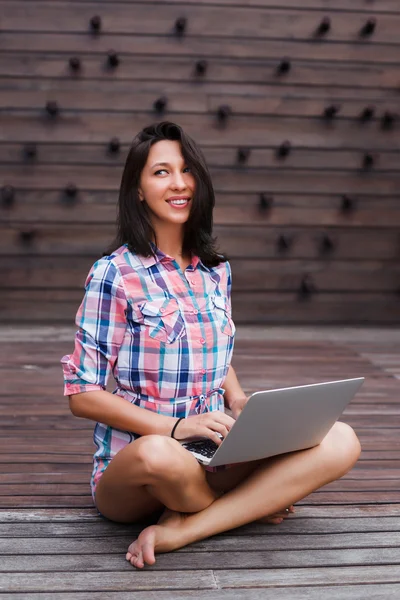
pixel 101 319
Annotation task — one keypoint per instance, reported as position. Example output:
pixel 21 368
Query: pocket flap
pixel 159 307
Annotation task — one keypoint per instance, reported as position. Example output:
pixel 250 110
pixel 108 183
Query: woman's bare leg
pixel 152 472
pixel 270 488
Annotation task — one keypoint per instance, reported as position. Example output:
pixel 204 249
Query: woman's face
pixel 161 182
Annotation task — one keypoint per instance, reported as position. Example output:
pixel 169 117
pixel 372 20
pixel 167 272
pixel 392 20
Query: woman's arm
pixel 117 412
pixel 233 390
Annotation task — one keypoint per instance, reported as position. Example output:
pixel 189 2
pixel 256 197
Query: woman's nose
pixel 178 181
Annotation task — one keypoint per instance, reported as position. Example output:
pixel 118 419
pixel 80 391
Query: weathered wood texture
pixel 342 542
pixel 47 244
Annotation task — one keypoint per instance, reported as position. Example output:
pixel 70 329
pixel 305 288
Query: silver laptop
pixel 278 421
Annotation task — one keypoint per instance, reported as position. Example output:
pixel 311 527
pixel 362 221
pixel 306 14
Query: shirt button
pixel 195 311
pixel 203 371
pixel 202 340
pixel 162 310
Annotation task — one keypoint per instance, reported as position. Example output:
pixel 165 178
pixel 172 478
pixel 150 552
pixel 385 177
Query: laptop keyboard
pixel 206 448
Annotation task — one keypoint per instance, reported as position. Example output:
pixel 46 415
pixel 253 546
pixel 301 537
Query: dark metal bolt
pixel 160 104
pixel 180 25
pixel 75 63
pixel 284 242
pixel 368 160
pixel 388 120
pixel 27 236
pixel 367 113
pixel 112 59
pixel 331 111
pixel 52 108
pixel 30 151
pixel 284 149
pixel 284 66
pixel 326 245
pixel 368 28
pixel 223 112
pixel 114 145
pixel 95 24
pixel 7 195
pixel 324 26
pixel 243 154
pixel 348 204
pixel 201 67
pixel 306 286
pixel 71 190
pixel 266 201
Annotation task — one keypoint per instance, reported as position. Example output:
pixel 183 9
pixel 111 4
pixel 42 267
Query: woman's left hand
pixel 237 406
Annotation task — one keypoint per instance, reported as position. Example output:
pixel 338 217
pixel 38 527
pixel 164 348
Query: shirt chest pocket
pixel 163 319
pixel 222 315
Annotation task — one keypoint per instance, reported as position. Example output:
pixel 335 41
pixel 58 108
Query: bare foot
pixel 276 518
pixel 162 537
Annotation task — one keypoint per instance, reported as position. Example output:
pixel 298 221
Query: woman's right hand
pixel 208 424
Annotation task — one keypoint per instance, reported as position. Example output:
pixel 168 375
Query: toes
pixel 276 520
pixel 134 555
pixel 137 560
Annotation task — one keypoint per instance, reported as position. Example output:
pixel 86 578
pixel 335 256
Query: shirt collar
pixel 149 261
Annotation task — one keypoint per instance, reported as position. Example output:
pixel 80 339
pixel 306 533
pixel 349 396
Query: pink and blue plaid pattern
pixel 166 335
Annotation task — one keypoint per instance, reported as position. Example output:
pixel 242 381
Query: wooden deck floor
pixel 343 541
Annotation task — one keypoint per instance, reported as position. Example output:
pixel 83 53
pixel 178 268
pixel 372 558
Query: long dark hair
pixel 134 226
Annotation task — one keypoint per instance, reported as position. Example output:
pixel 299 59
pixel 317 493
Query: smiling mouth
pixel 179 203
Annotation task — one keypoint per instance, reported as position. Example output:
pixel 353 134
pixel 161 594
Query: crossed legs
pixel 155 471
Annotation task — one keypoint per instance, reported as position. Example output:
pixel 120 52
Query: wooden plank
pixel 17 582
pixel 207 47
pixel 238 210
pixel 90 581
pixel 280 275
pixel 85 501
pixel 342 575
pixel 59 307
pixel 238 21
pixel 209 559
pixel 79 486
pixel 24 471
pixel 342 592
pixel 225 545
pixel 46 502
pixel 328 93
pixel 94 127
pixel 301 158
pixel 295 525
pixel 61 458
pixel 90 514
pixel 339 6
pixel 107 177
pixel 320 73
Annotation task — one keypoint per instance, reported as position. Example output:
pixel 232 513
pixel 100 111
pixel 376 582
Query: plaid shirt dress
pixel 167 336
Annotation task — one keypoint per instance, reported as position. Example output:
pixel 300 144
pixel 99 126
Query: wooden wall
pixel 305 162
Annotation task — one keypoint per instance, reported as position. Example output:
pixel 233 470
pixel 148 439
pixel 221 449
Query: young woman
pixel 157 313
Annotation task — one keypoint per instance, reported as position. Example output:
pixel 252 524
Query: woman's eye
pixel 161 170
